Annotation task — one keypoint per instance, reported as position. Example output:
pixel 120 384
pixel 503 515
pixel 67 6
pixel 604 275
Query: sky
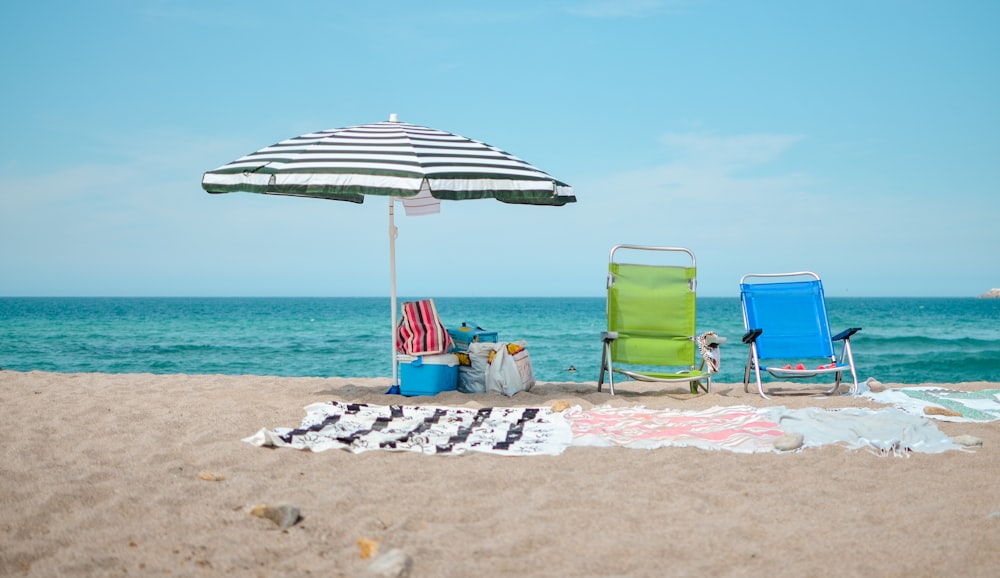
pixel 857 139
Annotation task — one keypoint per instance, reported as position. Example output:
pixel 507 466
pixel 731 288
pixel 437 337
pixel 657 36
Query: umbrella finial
pixel 393 117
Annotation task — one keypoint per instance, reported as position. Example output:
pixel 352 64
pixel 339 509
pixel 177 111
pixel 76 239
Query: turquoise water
pixel 906 340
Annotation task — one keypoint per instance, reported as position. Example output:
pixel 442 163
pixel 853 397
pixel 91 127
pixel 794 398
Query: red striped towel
pixel 420 330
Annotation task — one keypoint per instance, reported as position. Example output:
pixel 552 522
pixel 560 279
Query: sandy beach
pixel 147 475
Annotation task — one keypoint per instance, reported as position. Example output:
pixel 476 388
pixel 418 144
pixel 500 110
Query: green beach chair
pixel 787 326
pixel 650 333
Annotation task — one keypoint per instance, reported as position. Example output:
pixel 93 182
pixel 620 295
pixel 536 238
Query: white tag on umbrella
pixel 421 204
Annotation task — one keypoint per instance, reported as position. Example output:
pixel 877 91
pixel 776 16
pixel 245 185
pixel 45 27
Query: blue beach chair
pixel 786 322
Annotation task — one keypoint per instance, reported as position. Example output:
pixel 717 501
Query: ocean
pixel 903 340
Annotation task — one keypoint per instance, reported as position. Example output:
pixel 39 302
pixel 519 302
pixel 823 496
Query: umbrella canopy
pixel 388 158
pixel 420 165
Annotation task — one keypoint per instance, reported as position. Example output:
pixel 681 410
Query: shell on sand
pixel 369 547
pixel 211 477
pixel 936 410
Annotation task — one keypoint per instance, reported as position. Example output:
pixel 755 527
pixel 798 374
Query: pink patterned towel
pixel 741 429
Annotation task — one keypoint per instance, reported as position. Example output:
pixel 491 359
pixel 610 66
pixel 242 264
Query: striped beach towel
pixel 360 427
pixel 420 330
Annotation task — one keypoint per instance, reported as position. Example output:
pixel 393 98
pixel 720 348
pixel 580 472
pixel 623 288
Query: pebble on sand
pixel 875 385
pixel 967 440
pixel 393 564
pixel 789 441
pixel 285 515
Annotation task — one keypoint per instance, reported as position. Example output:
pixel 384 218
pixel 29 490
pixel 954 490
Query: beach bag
pixel 472 366
pixel 509 369
pixel 420 331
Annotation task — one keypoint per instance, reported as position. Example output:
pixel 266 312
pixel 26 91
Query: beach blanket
pixel 973 406
pixel 525 431
pixel 741 429
pixel 745 429
pixel 883 431
pixel 360 427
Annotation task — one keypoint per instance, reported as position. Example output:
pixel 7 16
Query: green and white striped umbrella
pixel 390 159
pixel 419 165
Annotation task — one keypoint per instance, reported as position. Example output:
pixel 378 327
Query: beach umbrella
pixel 418 165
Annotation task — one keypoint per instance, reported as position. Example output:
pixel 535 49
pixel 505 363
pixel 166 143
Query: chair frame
pixel 753 334
pixel 696 378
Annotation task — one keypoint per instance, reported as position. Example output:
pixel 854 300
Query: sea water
pixel 903 340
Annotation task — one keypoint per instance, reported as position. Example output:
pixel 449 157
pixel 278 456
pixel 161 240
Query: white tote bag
pixel 510 370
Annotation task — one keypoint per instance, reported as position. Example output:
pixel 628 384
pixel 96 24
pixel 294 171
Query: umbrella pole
pixel 392 280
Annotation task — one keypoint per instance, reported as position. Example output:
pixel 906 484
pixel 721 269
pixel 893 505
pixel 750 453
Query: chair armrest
pixel 607 336
pixel 846 334
pixel 752 335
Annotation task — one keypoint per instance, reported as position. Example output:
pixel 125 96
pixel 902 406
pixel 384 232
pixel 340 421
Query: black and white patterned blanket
pixel 359 427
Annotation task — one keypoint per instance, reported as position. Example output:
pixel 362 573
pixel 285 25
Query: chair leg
pixel 756 368
pixel 606 366
pixel 836 379
pixel 850 361
pixel 705 384
pixel 746 373
pixel 604 360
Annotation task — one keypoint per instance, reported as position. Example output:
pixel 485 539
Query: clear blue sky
pixel 858 139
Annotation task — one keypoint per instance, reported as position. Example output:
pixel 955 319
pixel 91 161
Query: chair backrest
pixel 792 315
pixel 652 308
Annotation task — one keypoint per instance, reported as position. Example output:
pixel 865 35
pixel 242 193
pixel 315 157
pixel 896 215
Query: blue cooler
pixel 427 374
pixel 467 334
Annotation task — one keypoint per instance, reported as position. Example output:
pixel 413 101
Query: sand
pixel 105 475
